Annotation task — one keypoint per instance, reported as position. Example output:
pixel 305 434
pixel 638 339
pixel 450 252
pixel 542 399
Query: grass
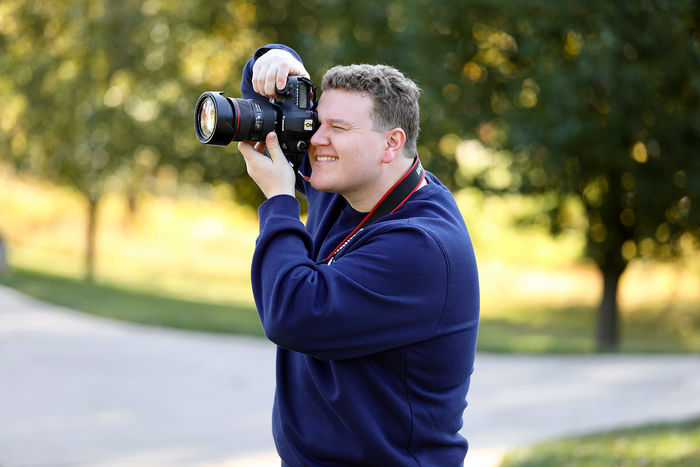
pixel 521 329
pixel 659 445
pixel 136 306
pixel 182 259
pixel 570 328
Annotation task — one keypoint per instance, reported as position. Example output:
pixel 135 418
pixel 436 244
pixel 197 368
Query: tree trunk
pixel 607 331
pixel 132 207
pixel 90 239
pixel 4 268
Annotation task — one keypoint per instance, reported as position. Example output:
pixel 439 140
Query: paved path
pixel 81 390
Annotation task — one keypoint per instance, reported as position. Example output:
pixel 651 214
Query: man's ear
pixel 395 140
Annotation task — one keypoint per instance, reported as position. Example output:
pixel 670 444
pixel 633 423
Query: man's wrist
pixel 273 194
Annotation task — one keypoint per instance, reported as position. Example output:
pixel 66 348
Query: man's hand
pixel 274 175
pixel 271 70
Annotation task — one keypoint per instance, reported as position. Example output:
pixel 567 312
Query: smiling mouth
pixel 326 158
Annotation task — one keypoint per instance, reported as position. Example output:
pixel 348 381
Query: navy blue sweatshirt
pixel 375 350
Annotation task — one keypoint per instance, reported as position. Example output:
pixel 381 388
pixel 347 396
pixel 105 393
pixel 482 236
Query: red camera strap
pixel 390 202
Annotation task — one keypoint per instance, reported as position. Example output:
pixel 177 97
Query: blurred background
pixel 567 131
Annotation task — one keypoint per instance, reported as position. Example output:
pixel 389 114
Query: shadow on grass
pixel 135 306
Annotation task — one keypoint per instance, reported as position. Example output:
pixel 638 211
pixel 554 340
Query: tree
pixel 596 102
pixel 601 105
pixel 100 94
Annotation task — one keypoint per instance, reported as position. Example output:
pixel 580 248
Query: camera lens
pixel 213 116
pixel 219 120
pixel 207 117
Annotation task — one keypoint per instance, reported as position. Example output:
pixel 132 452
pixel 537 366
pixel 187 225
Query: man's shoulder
pixel 433 207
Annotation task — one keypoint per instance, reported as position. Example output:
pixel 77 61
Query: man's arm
pixel 388 291
pixel 267 70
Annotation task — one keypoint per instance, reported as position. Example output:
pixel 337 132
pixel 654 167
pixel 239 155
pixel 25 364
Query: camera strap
pixel 390 202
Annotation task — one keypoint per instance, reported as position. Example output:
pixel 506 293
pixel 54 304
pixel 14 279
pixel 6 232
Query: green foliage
pixel 601 103
pixel 101 93
pixel 673 444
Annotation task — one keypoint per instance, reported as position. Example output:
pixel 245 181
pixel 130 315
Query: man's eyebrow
pixel 339 121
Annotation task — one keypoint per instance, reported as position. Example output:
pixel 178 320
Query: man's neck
pixel 366 200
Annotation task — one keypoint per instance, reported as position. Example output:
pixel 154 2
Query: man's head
pixel 366 139
pixel 395 97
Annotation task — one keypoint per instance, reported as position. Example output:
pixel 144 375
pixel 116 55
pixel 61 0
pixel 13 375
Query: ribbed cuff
pixel 280 205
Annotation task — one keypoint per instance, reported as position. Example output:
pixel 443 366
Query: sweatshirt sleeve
pixel 357 306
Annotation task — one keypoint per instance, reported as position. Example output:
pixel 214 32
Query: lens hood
pixel 225 119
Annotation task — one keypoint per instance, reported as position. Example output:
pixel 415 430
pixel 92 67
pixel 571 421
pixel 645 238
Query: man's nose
pixel 319 138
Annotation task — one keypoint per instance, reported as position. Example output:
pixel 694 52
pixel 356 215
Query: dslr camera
pixel 291 114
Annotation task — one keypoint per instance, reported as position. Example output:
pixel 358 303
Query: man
pixel 375 318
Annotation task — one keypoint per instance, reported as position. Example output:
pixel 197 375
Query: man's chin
pixel 322 185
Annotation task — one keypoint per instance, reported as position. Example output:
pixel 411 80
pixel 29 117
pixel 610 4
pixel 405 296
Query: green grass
pixel 519 329
pixel 570 329
pixel 659 445
pixel 136 306
pixel 537 329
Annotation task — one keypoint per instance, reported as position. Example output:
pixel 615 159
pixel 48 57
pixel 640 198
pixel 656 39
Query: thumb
pixel 273 147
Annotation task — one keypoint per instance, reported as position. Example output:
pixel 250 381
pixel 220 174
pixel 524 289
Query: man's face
pixel 346 154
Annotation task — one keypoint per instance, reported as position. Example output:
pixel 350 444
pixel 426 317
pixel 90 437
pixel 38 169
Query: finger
pixel 253 157
pixel 260 147
pixel 270 82
pixel 260 77
pixel 297 69
pixel 245 148
pixel 282 74
pixel 251 149
pixel 248 155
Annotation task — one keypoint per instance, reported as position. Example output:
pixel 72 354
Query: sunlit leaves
pixel 573 43
pixel 135 67
pixel 593 88
pixel 638 152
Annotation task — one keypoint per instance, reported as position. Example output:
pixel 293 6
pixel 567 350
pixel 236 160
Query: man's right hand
pixel 270 71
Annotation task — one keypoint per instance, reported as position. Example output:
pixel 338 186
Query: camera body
pixel 218 120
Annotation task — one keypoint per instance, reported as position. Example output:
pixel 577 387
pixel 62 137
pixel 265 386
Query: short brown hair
pixel 395 97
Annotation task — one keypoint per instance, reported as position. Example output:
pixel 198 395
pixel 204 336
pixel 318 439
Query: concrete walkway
pixel 81 390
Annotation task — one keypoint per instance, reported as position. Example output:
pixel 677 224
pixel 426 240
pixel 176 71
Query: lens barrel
pixel 218 120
